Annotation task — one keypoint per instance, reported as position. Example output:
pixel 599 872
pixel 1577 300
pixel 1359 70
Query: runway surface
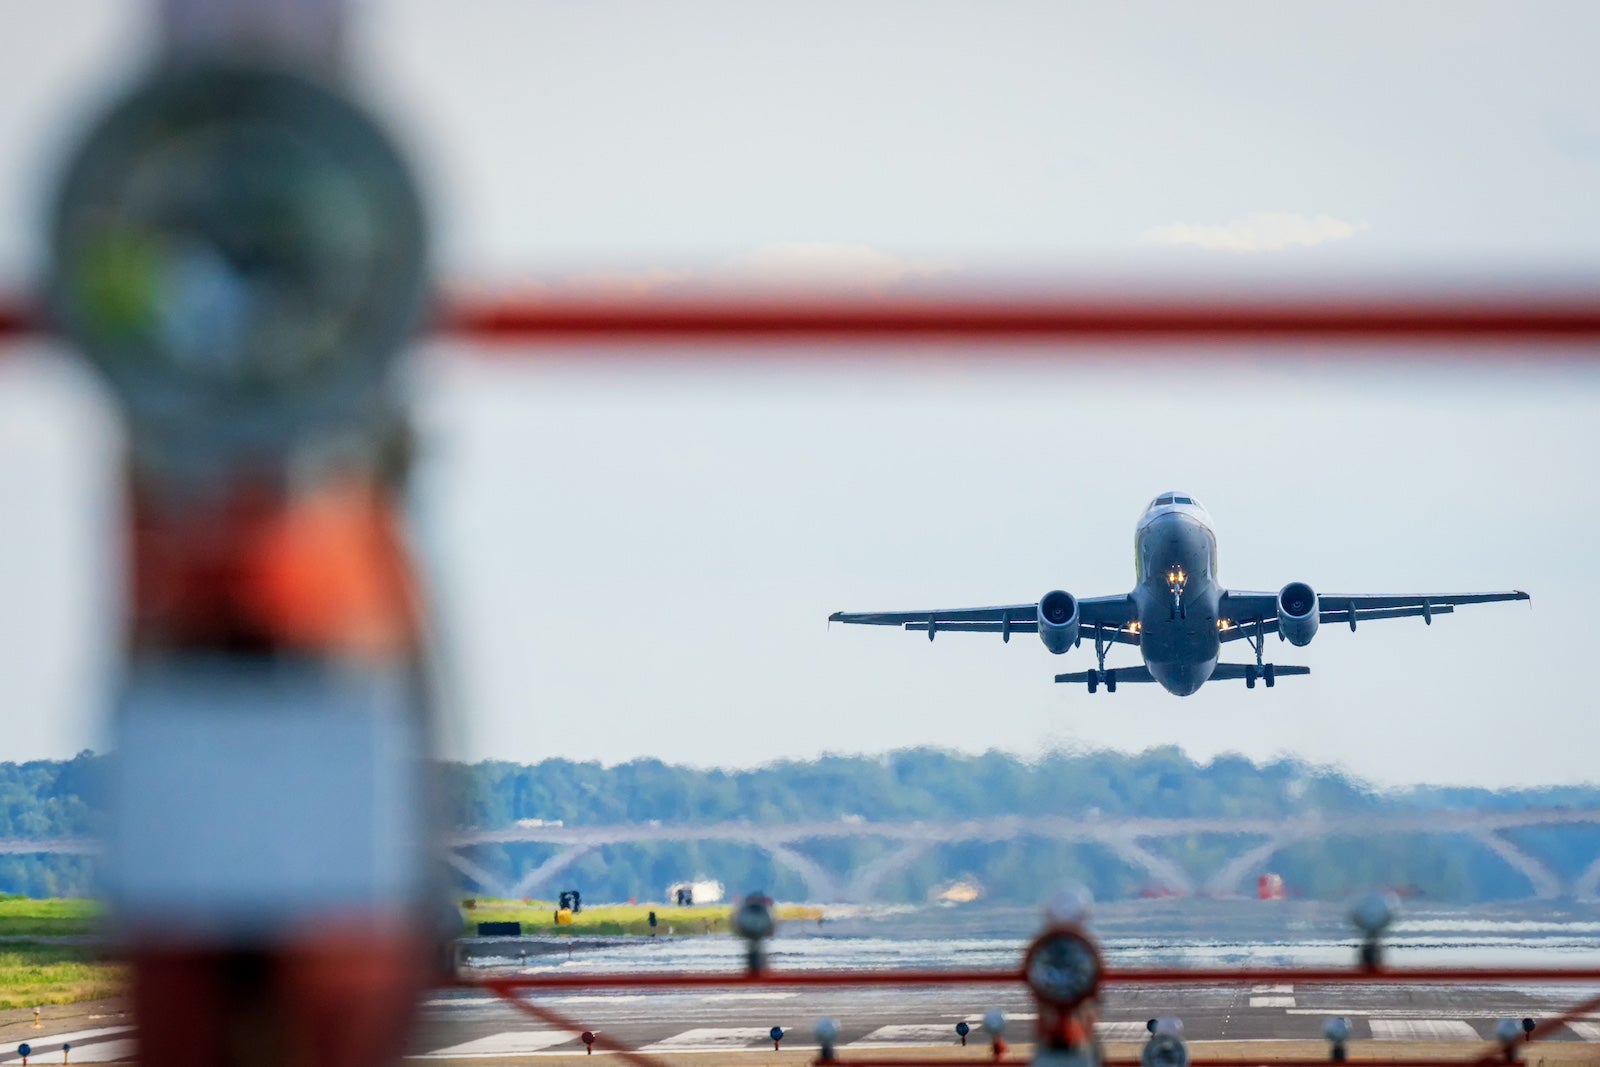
pixel 467 1024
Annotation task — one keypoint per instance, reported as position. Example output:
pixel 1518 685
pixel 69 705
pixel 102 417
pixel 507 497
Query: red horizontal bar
pixel 1264 1061
pixel 1119 976
pixel 1194 318
pixel 923 1061
pixel 1113 1061
pixel 1349 975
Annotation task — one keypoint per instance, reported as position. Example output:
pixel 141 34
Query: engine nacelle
pixel 1058 621
pixel 1298 613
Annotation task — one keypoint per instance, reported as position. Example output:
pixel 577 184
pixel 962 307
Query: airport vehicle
pixel 1177 614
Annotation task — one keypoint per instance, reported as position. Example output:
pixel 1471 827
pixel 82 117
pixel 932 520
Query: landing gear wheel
pixel 1269 675
pixel 1249 676
pixel 1111 681
pixel 1094 683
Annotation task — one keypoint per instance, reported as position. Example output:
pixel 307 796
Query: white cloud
pixel 809 264
pixel 1267 231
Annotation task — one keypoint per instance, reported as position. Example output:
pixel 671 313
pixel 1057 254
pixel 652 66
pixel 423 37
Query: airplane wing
pixel 1245 611
pixel 1112 613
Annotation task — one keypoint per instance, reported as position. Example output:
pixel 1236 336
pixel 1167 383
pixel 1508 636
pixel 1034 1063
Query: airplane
pixel 1177 615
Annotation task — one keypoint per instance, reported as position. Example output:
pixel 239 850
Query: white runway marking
pixel 1272 989
pixel 712 1039
pixel 55 1041
pixel 599 998
pixel 507 1043
pixel 1587 1031
pixel 1121 1031
pixel 1421 1030
pixel 103 1052
pixel 1011 1017
pixel 746 996
pixel 911 1033
pixel 1272 1002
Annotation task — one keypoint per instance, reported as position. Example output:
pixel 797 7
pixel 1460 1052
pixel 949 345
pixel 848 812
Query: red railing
pixel 1454 319
pixel 1199 317
pixel 511 990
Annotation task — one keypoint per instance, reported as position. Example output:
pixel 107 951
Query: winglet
pixel 835 616
pixel 1523 596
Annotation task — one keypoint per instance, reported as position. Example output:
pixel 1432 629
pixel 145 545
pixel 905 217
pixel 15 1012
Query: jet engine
pixel 1298 613
pixel 1058 621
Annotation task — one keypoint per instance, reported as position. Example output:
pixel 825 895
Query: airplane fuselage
pixel 1177 596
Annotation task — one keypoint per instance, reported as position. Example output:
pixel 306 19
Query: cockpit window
pixel 1161 500
pixel 1182 500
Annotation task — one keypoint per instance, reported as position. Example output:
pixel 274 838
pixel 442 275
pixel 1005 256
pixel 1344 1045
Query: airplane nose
pixel 1173 520
pixel 1169 530
pixel 1185 681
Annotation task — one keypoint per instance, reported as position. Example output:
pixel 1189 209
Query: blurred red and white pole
pixel 241 253
pixel 269 867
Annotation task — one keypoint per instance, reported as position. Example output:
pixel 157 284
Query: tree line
pixel 64 798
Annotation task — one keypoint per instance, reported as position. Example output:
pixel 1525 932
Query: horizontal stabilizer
pixel 1132 675
pixel 1239 671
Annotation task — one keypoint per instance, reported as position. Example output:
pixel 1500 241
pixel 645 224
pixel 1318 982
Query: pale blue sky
pixel 650 552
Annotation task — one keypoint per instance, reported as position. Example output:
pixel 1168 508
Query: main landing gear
pixel 1262 670
pixel 1265 672
pixel 1103 675
pixel 1100 674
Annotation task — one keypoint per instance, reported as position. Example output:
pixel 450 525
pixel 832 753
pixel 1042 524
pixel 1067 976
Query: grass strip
pixel 22 917
pixel 34 974
pixel 539 917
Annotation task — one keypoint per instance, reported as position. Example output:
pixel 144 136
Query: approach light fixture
pixel 241 251
pixel 1062 967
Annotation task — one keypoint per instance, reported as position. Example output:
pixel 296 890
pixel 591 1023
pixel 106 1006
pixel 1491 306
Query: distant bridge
pixel 1128 838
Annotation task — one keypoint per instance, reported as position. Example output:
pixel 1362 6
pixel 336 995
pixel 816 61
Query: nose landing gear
pixel 1176 580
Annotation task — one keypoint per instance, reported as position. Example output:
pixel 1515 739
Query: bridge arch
pixel 1129 837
